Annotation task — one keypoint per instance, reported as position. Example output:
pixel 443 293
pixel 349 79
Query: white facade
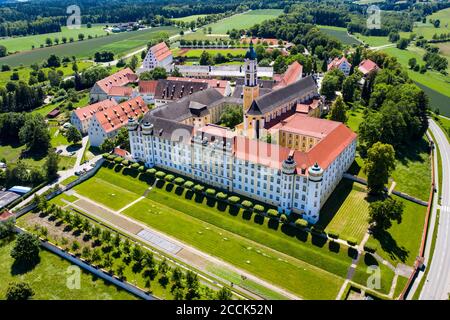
pixel 214 163
pixel 81 124
pixel 97 134
pixel 151 62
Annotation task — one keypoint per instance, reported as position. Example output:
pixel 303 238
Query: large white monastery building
pixel 296 172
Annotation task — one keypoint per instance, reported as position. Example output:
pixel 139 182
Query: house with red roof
pixel 102 88
pixel 157 56
pixel 106 123
pixel 341 64
pixel 81 117
pixel 120 94
pixel 146 90
pixel 367 66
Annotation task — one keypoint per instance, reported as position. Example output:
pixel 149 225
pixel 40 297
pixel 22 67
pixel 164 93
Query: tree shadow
pixel 169 187
pixel 210 202
pixel 412 151
pixel 199 197
pixel 160 184
pixel 134 173
pixel 179 191
pixel 318 240
pixel 247 215
pixel 20 267
pixel 273 224
pixel 334 246
pixel 233 210
pixel 222 206
pixel 189 194
pixel 146 178
pixel 354 169
pixel 390 246
pixel 352 253
pixel 369 260
pixel 258 219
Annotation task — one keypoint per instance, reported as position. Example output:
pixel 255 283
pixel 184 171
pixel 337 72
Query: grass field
pixel 363 273
pixel 243 21
pixel 24 72
pixel 339 34
pixel 427 30
pixel 17 44
pixel 372 40
pixel 248 242
pixel 119 44
pixel 346 211
pixel 190 18
pixel 48 279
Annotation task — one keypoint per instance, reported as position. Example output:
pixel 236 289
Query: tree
pixel 231 116
pixel 224 294
pixel 205 59
pixel 53 61
pixel 412 63
pixel 26 250
pixel 19 291
pixel 382 213
pixel 338 110
pixel 3 51
pixel 402 44
pixel 81 37
pixel 73 135
pixel 108 144
pixel 133 63
pixel 349 87
pixel 34 134
pixel 51 165
pixel 379 164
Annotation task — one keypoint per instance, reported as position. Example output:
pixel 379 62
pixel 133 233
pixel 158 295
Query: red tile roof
pixel 121 152
pixel 306 107
pixel 118 79
pixel 147 86
pixel 5 215
pixel 121 91
pixel 115 117
pixel 220 85
pixel 308 126
pixel 88 111
pixel 367 66
pixel 337 62
pixel 292 74
pixel 160 51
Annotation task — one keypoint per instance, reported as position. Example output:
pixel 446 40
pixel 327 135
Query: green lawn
pixel 346 211
pixel 427 30
pixel 401 283
pixel 58 199
pixel 339 34
pixel 363 274
pixel 355 117
pixel 68 180
pixel 373 41
pixel 401 243
pixel 243 21
pixel 48 279
pixel 16 44
pixel 58 139
pixel 119 44
pixel 190 18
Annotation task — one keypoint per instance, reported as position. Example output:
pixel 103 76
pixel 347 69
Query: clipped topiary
pixel 301 223
pixel 370 248
pixel 141 169
pixel 135 165
pixel 247 204
pixel 199 188
pixel 105 155
pixel 272 213
pixel 333 234
pixel 125 163
pixel 111 157
pixel 221 196
pixel 118 160
pixel 233 199
pixel 210 192
pixel 151 171
pixel 188 184
pixel 169 178
pixel 179 181
pixel 160 175
pixel 258 208
pixel 283 218
pixel 352 241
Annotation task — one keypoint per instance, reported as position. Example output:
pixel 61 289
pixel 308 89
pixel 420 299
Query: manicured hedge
pixel 247 204
pixel 370 248
pixel 283 218
pixel 221 196
pixel 125 163
pixel 258 208
pixel 105 155
pixel 111 157
pixel 333 234
pixel 210 192
pixel 169 178
pixel 151 171
pixel 199 188
pixel 352 241
pixel 160 174
pixel 118 160
pixel 233 199
pixel 179 181
pixel 188 184
pixel 272 213
pixel 135 165
pixel 301 223
pixel 317 230
pixel 141 169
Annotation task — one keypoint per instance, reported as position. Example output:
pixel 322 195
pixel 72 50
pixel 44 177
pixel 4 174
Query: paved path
pixel 187 254
pixel 437 285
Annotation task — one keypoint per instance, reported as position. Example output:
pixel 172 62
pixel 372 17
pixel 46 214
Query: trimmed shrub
pixel 283 218
pixel 160 174
pixel 352 241
pixel 221 196
pixel 125 163
pixel 317 230
pixel 179 181
pixel 111 157
pixel 210 192
pixel 199 188
pixel 188 184
pixel 247 204
pixel 169 178
pixel 370 248
pixel 118 160
pixel 258 208
pixel 135 166
pixel 272 213
pixel 151 171
pixel 141 169
pixel 233 200
pixel 333 234
pixel 105 155
pixel 301 223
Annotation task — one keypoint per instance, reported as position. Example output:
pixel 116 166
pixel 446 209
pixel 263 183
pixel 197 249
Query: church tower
pixel 251 87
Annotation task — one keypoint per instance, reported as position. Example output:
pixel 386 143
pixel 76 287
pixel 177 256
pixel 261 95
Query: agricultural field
pixel 374 41
pixel 427 30
pixel 48 279
pixel 119 44
pixel 18 44
pixel 190 18
pixel 243 20
pixel 339 34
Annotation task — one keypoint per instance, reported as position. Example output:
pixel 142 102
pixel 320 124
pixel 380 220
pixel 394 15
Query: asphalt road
pixel 437 284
